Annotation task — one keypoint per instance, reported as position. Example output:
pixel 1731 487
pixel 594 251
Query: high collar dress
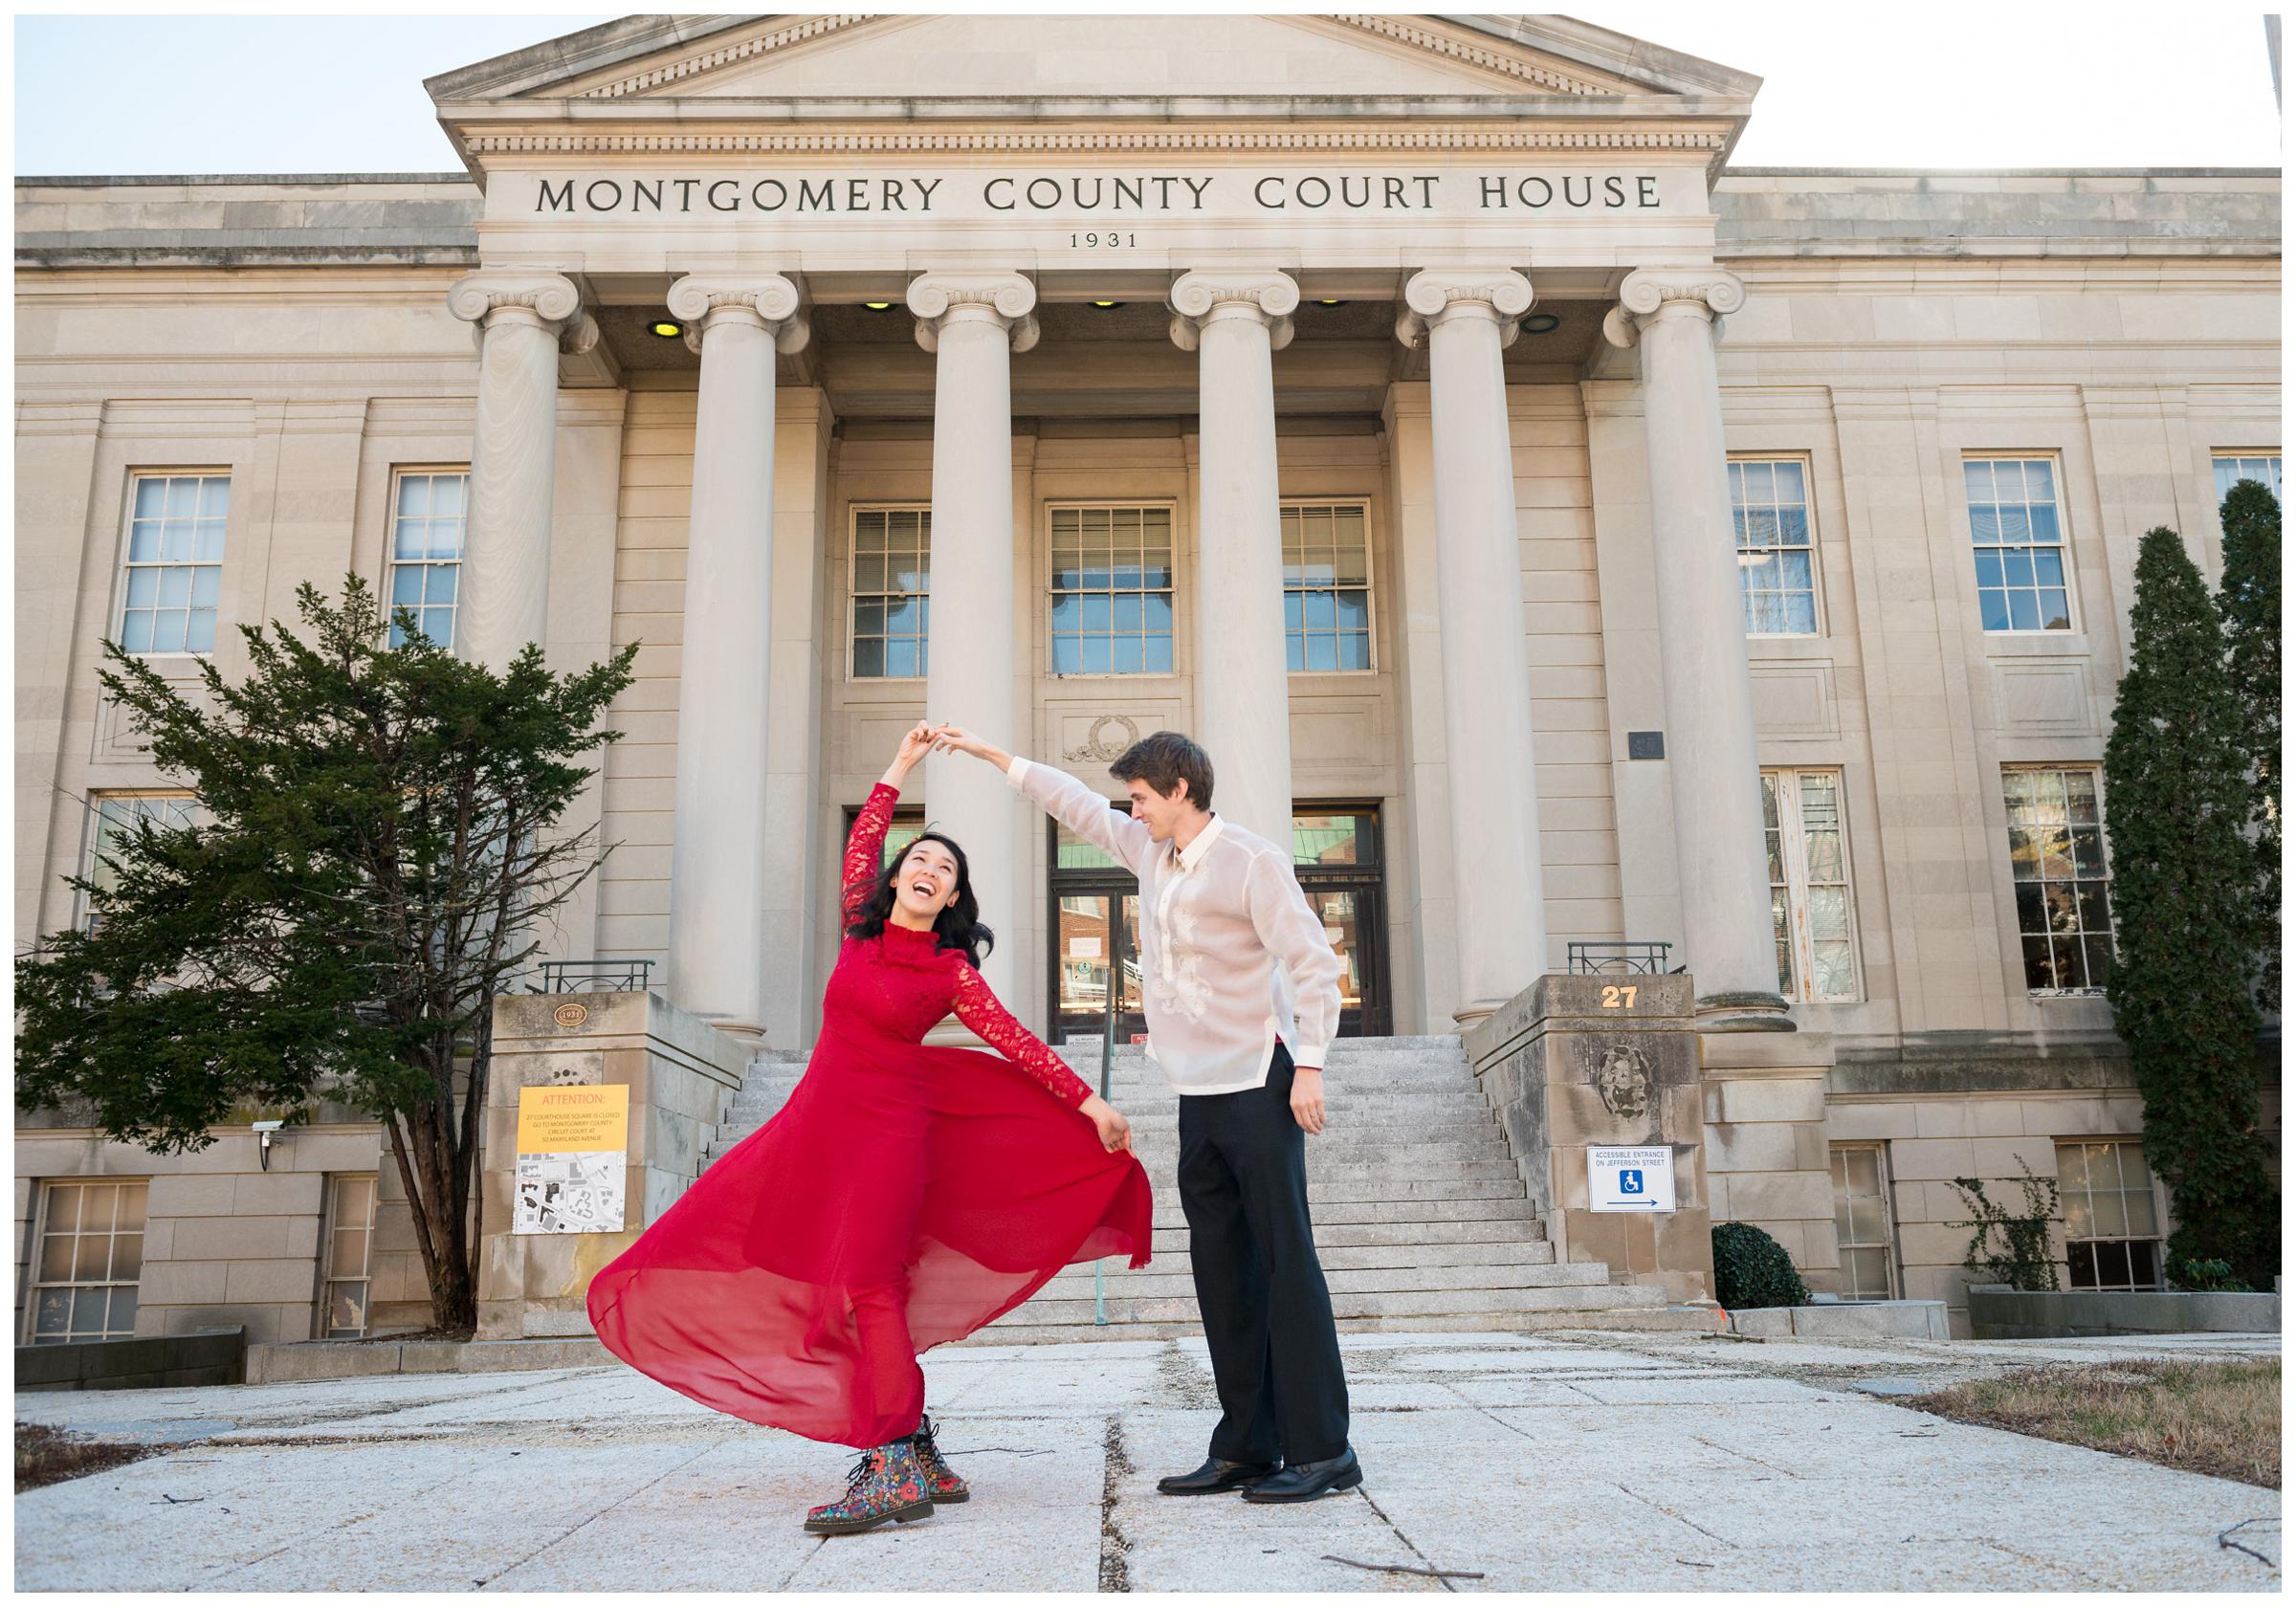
pixel 906 1194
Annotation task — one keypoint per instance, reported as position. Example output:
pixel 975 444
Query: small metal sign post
pixel 1630 1179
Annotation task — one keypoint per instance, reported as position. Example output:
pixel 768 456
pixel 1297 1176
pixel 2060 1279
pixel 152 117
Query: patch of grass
pixel 2221 1418
pixel 49 1456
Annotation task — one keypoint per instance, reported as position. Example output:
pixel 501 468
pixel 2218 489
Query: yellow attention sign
pixel 562 1120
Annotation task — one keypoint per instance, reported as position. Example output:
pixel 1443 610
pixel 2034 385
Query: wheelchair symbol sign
pixel 1630 1179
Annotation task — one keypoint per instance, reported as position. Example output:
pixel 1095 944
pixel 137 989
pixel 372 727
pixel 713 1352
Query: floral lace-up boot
pixel 941 1481
pixel 886 1483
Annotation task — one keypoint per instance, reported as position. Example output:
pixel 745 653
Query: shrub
pixel 2206 1277
pixel 1751 1268
pixel 2023 1261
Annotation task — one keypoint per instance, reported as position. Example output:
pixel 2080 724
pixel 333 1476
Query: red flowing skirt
pixel 945 1175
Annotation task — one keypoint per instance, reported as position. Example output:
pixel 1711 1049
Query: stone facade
pixel 308 337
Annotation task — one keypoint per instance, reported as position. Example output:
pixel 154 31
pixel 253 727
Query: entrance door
pixel 1335 853
pixel 1096 937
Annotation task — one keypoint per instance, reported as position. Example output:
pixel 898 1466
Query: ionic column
pixel 717 891
pixel 1714 766
pixel 522 315
pixel 973 322
pixel 1235 321
pixel 1466 317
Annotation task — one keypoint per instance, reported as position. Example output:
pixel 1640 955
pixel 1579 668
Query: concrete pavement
pixel 1586 1461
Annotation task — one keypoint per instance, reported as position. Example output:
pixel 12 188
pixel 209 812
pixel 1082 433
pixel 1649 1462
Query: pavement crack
pixel 1744 1455
pixel 624 1499
pixel 1115 1550
pixel 1661 1507
pixel 1434 1571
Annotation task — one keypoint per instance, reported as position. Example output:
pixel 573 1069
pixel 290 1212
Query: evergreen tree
pixel 377 848
pixel 2249 602
pixel 2175 799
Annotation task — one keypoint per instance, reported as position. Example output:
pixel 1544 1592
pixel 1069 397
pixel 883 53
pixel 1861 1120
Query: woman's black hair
pixel 958 926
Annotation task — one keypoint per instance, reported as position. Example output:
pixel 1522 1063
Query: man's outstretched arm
pixel 1060 795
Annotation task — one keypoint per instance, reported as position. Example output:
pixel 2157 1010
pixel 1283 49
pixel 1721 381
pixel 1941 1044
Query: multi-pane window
pixel 114 825
pixel 2020 540
pixel 2111 1226
pixel 1810 917
pixel 1770 509
pixel 87 1261
pixel 2232 468
pixel 1112 591
pixel 428 515
pixel 2064 882
pixel 893 572
pixel 1862 1222
pixel 344 1308
pixel 174 563
pixel 1327 587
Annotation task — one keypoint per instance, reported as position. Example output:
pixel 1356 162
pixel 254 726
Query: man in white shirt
pixel 1221 910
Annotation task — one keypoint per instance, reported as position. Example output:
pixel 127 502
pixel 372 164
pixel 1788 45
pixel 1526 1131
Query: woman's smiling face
pixel 926 883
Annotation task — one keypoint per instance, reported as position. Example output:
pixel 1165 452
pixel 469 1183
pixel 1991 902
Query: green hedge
pixel 1751 1268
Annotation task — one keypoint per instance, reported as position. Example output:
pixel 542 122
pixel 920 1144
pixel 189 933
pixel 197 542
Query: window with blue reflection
pixel 2018 541
pixel 1770 513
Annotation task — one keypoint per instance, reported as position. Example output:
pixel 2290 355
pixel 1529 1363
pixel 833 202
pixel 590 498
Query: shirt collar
pixel 1202 843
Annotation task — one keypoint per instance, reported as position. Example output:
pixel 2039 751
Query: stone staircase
pixel 1421 1217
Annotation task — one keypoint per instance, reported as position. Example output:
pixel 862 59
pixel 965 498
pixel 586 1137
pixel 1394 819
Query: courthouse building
pixel 1574 542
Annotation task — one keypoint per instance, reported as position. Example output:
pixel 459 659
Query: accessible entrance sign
pixel 1636 1179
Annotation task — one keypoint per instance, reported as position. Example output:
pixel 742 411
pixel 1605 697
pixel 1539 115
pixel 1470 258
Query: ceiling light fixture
pixel 668 329
pixel 1540 323
pixel 1329 303
pixel 1107 304
pixel 876 306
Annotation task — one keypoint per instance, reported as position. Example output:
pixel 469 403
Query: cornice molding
pixel 1407 33
pixel 773 142
pixel 726 56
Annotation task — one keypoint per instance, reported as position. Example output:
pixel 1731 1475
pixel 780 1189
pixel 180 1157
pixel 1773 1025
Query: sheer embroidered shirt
pixel 1222 925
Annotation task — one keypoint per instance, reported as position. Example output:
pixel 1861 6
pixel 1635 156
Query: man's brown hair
pixel 1163 760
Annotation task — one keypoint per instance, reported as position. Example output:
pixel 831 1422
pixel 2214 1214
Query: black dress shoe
pixel 1217 1475
pixel 1305 1481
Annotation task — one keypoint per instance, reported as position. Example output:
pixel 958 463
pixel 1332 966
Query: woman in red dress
pixel 906 1194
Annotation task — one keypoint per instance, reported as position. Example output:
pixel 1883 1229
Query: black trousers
pixel 1267 1314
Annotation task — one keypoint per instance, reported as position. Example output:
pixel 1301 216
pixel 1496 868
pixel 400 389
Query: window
pixel 2020 543
pixel 87 1261
pixel 1810 917
pixel 113 825
pixel 428 515
pixel 905 827
pixel 2111 1229
pixel 2235 467
pixel 1770 508
pixel 893 564
pixel 1112 591
pixel 344 1308
pixel 1336 855
pixel 2063 882
pixel 1327 587
pixel 1862 1222
pixel 174 563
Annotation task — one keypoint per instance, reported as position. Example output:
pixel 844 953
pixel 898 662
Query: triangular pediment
pixel 860 56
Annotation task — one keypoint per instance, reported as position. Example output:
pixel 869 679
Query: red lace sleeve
pixel 979 1009
pixel 864 849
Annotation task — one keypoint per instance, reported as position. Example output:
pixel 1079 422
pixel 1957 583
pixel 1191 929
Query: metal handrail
pixel 1636 959
pixel 597 975
pixel 1108 1061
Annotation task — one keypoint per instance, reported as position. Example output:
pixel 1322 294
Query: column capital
pixel 531 296
pixel 1651 293
pixel 1006 300
pixel 1204 295
pixel 1435 295
pixel 768 302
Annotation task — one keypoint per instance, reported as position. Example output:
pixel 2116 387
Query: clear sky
pixel 1940 85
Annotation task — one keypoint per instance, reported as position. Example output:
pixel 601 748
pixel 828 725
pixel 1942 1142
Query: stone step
pixel 1526 1232
pixel 1405 1303
pixel 1017 1328
pixel 1156 1281
pixel 1518 1250
pixel 1360 1162
pixel 1402 1212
